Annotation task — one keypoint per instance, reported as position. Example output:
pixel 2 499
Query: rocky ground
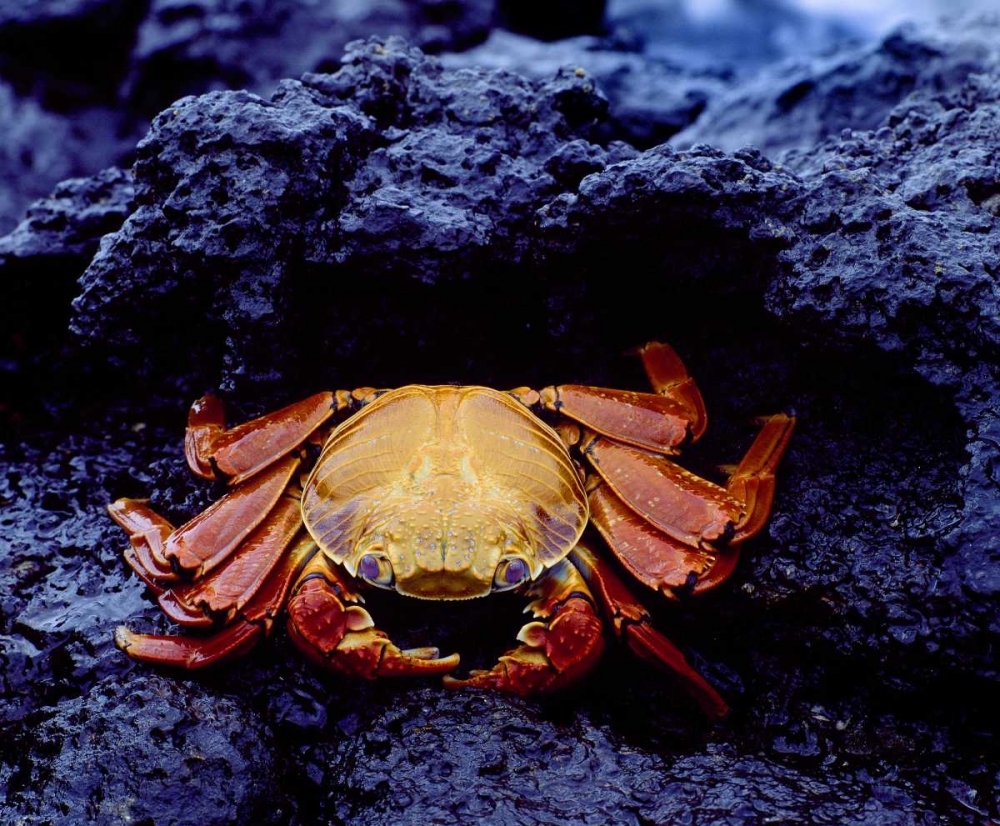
pixel 511 215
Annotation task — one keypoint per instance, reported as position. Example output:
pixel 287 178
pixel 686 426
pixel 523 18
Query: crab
pixel 447 493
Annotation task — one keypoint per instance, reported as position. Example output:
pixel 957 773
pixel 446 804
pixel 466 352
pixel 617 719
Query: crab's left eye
pixel 511 572
pixel 377 570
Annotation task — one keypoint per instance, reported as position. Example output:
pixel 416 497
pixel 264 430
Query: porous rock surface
pixel 796 103
pixel 389 172
pixel 651 97
pixel 397 222
pixel 104 755
pixel 80 79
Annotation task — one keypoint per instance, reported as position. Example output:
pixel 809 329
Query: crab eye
pixel 377 570
pixel 511 572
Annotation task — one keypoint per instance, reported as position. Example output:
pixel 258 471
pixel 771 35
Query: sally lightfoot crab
pixel 450 492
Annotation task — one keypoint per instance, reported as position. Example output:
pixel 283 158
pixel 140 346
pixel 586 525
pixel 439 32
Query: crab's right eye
pixel 377 570
pixel 510 573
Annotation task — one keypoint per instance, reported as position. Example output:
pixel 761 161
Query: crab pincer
pixel 561 645
pixel 328 625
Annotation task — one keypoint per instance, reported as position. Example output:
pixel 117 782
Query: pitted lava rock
pixel 398 221
pixel 193 46
pixel 80 79
pixel 651 97
pixel 913 268
pixel 104 755
pixel 69 223
pixel 795 104
pixel 389 171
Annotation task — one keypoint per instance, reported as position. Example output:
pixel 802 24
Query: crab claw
pixel 555 651
pixel 342 637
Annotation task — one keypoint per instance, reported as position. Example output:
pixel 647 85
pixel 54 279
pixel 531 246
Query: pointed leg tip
pixel 418 662
pixel 449 663
pixel 455 683
pixel 425 653
pixel 124 638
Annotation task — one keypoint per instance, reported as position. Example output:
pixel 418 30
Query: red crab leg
pixel 753 481
pixel 332 630
pixel 659 421
pixel 234 583
pixel 251 624
pixel 148 533
pixel 137 566
pixel 725 564
pixel 670 378
pixel 647 420
pixel 240 452
pixel 209 538
pixel 632 624
pixel 560 646
pixel 686 507
pixel 652 556
pixel 663 522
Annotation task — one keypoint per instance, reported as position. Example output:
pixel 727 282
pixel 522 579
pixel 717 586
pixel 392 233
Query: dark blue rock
pixel 651 98
pixel 332 199
pixel 795 104
pixel 397 221
pixel 163 753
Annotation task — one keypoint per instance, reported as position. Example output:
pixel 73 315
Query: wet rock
pixel 80 79
pixel 157 752
pixel 651 97
pixel 60 572
pixel 398 222
pixel 40 148
pixel 389 173
pixel 545 770
pixel 798 103
pixel 196 45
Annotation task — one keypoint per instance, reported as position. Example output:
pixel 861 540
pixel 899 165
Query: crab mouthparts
pixel 442 585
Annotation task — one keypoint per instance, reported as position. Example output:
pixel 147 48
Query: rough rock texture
pixel 389 172
pixel 69 223
pixel 798 103
pixel 398 222
pixel 80 79
pixel 40 148
pixel 913 268
pixel 651 98
pixel 189 47
pixel 103 757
